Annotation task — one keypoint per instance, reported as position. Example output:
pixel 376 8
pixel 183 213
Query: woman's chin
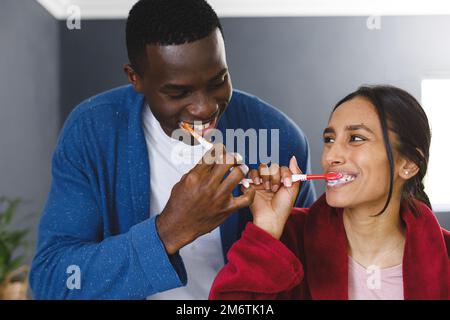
pixel 337 201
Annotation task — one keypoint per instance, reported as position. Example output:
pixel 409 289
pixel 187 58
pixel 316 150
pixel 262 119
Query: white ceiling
pixel 118 9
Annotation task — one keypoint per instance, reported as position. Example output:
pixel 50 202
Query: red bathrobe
pixel 311 260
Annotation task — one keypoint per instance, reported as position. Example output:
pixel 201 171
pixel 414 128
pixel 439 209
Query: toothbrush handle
pixel 299 177
pixel 295 178
pixel 315 177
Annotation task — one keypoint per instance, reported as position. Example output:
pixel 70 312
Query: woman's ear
pixel 133 77
pixel 407 169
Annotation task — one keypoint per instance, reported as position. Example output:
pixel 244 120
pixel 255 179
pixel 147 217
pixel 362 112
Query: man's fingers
pixel 219 161
pixel 209 158
pixel 225 163
pixel 233 179
pixel 244 200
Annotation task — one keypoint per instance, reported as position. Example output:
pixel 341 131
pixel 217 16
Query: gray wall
pixel 29 106
pixel 302 65
pixel 91 60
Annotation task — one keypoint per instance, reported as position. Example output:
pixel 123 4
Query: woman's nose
pixel 335 154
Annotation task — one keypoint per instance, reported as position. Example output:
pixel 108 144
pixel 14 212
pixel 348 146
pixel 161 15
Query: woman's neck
pixel 375 240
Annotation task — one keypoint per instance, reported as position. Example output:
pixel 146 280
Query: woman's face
pixel 354 146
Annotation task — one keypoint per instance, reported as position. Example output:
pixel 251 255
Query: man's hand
pixel 202 199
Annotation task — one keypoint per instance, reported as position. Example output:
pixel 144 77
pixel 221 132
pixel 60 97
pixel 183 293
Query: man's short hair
pixel 166 22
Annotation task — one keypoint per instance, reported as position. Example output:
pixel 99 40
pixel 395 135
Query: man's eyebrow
pixel 180 87
pixel 219 74
pixel 355 127
pixel 174 87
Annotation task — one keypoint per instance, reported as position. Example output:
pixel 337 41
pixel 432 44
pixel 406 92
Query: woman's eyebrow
pixel 355 127
pixel 352 127
pixel 328 130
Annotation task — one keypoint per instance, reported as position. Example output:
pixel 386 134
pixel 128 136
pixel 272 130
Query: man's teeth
pixel 200 127
pixel 344 179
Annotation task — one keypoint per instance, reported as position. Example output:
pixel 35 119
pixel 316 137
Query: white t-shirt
pixel 169 161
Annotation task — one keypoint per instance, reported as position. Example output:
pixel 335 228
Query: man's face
pixel 188 82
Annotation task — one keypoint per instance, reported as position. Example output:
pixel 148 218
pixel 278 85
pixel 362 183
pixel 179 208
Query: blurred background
pixel 300 56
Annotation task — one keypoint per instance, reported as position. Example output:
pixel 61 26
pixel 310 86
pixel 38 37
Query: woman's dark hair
pixel 402 114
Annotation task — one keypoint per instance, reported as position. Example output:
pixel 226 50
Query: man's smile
pixel 200 126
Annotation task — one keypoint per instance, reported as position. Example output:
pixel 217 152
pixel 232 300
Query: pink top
pixel 374 283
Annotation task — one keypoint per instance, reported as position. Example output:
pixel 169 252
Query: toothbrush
pixel 205 143
pixel 208 145
pixel 305 177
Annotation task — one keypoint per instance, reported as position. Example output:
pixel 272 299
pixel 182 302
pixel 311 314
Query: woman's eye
pixel 328 140
pixel 356 138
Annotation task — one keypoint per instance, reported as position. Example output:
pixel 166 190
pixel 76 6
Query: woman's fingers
pixel 254 175
pixel 275 177
pixel 286 176
pixel 264 173
pixel 293 166
pixel 270 176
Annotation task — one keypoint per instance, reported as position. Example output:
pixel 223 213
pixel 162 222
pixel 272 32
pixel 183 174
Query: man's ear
pixel 133 77
pixel 407 169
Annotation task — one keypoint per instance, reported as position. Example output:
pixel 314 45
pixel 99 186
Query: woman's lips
pixel 345 180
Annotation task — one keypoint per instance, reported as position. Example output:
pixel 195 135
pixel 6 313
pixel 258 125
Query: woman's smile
pixel 346 179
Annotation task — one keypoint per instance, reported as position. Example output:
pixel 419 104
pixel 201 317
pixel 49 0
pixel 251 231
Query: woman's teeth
pixel 345 179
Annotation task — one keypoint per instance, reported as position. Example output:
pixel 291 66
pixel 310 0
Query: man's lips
pixel 200 126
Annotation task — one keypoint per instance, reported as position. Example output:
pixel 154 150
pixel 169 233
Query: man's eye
pixel 355 138
pixel 328 140
pixel 219 83
pixel 179 95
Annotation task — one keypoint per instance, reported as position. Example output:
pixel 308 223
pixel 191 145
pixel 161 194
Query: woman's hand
pixel 275 196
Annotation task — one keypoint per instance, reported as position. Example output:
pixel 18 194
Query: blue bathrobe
pixel 96 240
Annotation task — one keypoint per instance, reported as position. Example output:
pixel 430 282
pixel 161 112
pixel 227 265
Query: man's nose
pixel 202 107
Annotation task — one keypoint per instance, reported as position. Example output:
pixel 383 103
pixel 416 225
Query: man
pixel 124 218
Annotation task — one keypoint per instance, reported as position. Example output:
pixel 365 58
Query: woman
pixel 372 235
